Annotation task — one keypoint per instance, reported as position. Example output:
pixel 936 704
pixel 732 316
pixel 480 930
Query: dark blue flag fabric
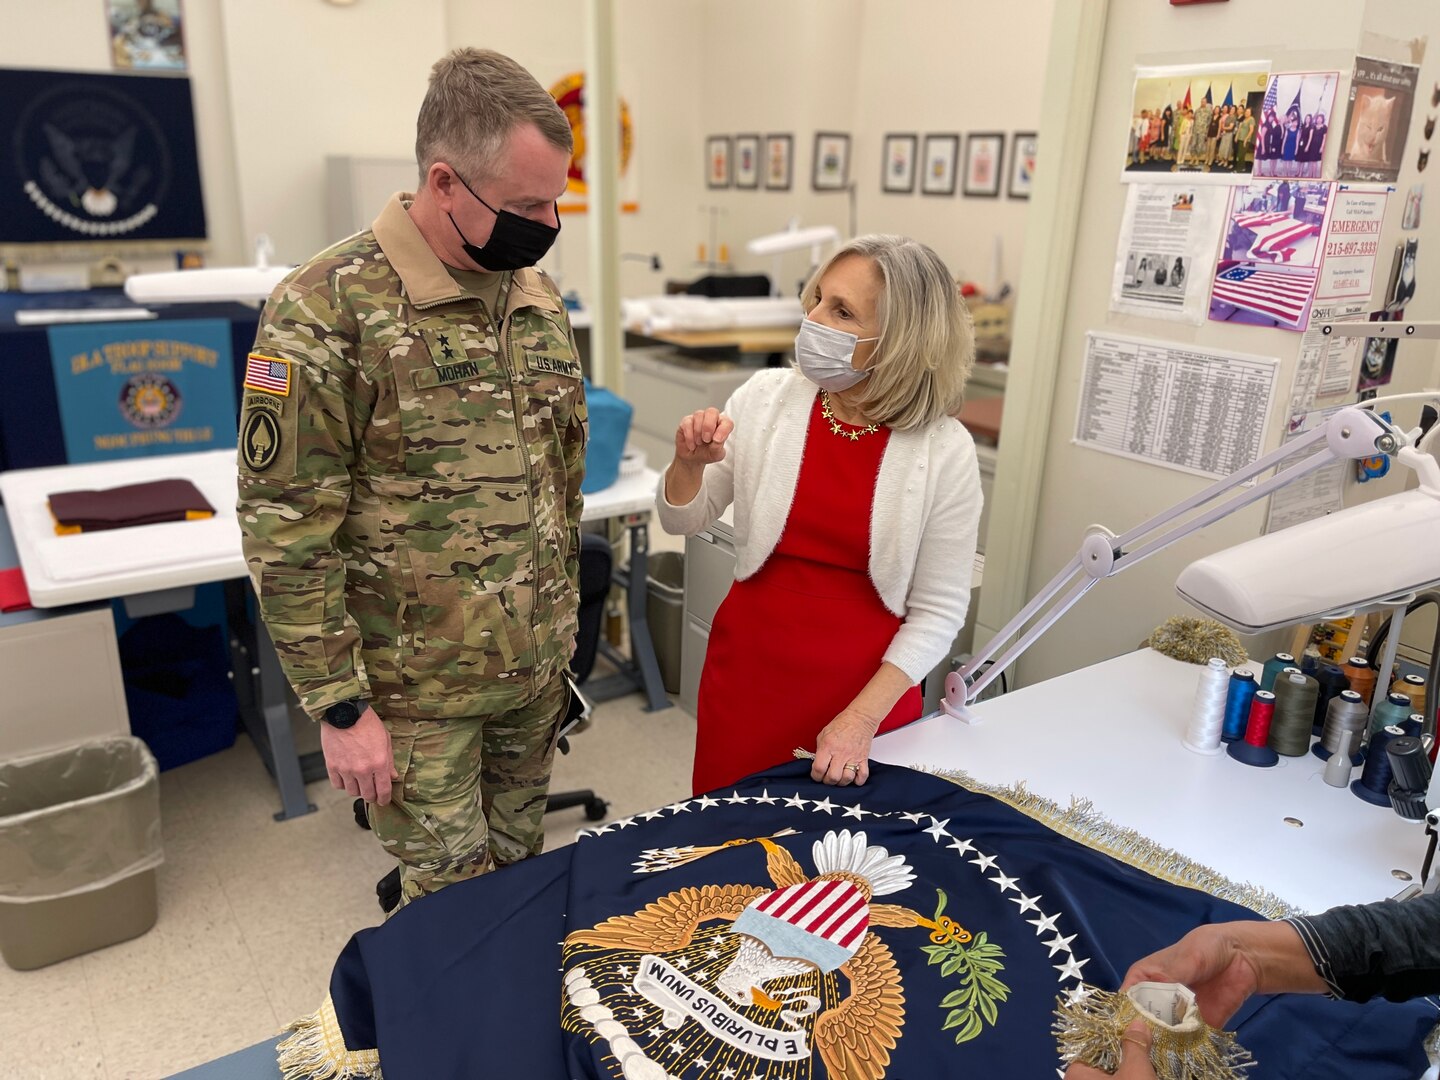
pixel 784 930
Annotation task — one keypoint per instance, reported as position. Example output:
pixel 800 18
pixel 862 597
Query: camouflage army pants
pixel 471 793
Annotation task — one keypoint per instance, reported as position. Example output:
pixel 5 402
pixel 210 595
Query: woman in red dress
pixel 857 500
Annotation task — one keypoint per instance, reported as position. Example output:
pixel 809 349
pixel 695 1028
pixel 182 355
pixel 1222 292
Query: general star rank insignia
pixel 446 347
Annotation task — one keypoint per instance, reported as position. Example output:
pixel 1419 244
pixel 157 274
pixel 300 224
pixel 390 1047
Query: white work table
pixel 152 567
pixel 1111 733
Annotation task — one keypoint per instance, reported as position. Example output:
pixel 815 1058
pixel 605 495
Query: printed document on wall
pixel 1167 246
pixel 1313 496
pixel 1326 367
pixel 1201 411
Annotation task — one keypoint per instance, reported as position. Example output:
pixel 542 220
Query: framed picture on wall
pixel 717 161
pixel 983 154
pixel 940 161
pixel 897 170
pixel 1022 165
pixel 747 161
pixel 146 35
pixel 779 156
pixel 832 161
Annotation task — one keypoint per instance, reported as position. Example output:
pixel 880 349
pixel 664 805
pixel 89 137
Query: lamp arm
pixel 1348 434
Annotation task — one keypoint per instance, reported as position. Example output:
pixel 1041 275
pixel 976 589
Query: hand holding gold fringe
pixel 1090 1030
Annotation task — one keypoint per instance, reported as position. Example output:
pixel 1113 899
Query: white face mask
pixel 825 356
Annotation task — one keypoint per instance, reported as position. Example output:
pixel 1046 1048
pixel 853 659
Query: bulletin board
pixel 1059 483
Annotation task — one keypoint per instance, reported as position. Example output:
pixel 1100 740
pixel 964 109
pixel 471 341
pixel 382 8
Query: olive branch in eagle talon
pixel 976 961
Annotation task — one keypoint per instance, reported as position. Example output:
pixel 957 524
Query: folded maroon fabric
pixel 14 596
pixel 133 504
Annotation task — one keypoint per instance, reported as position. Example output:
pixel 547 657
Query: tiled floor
pixel 253 912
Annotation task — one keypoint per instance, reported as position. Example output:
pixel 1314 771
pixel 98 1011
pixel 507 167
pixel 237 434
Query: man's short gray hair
pixel 477 97
pixel 927 341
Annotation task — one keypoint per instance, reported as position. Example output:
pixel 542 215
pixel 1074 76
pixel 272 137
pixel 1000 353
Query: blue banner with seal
pixel 135 389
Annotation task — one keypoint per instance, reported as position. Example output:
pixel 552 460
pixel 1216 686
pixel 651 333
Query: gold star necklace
pixel 853 433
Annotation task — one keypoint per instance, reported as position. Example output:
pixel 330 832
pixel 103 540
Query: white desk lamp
pixel 793 238
pixel 237 283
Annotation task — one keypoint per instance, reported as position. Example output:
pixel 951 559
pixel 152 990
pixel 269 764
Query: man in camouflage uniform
pixel 412 443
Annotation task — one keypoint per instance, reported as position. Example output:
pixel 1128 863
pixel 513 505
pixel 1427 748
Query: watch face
pixel 342 714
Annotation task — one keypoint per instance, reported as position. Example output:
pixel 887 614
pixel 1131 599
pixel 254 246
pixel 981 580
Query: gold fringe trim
pixel 316 1050
pixel 1091 1030
pixel 1086 825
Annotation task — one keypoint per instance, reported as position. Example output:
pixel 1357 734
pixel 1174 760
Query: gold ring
pixel 852 765
pixel 1137 1042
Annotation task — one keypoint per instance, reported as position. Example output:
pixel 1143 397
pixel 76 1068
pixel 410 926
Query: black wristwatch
pixel 345 714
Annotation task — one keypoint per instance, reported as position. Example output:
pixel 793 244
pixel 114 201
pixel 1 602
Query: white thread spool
pixel 1208 715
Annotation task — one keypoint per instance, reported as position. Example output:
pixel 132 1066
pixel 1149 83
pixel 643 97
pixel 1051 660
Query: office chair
pixel 595 569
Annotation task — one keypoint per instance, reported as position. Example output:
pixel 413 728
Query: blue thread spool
pixel 1413 725
pixel 1394 710
pixel 1332 681
pixel 1276 664
pixel 1237 705
pixel 1374 783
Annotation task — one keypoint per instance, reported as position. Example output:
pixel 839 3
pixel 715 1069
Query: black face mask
pixel 515 242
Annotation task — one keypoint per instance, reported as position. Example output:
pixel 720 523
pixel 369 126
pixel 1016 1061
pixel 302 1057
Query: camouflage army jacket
pixel 410 476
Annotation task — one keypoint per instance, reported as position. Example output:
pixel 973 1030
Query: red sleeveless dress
pixel 793 644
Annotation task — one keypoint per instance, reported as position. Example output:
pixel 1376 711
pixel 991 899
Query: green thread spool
pixel 1273 667
pixel 1395 709
pixel 1295 698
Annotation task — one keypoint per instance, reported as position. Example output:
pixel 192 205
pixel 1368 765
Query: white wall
pixel 1082 486
pixel 279 84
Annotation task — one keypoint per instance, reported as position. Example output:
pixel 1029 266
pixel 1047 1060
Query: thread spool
pixel 1238 695
pixel 1207 718
pixel 1414 686
pixel 1338 770
pixel 1295 696
pixel 1276 664
pixel 1345 722
pixel 1374 783
pixel 1254 748
pixel 1410 776
pixel 1362 677
pixel 1395 709
pixel 1413 725
pixel 1331 680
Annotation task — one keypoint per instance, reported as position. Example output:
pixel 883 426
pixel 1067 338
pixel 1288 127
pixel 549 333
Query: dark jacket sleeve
pixel 1390 949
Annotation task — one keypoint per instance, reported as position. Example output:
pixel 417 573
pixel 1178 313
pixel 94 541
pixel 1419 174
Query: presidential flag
pixel 1278 294
pixel 909 929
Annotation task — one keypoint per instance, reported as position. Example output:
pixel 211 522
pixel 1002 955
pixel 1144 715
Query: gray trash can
pixel 79 844
pixel 665 612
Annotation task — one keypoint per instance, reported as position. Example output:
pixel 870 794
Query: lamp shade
pixel 1352 559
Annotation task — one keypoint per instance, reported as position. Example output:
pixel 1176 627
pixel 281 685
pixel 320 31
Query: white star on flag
pixel 1027 903
pixel 1057 943
pixel 705 802
pixel 701 1063
pixel 714 953
pixel 1071 968
pixel 623 971
pixel 623 823
pixel 962 846
pixel 764 798
pixel 736 797
pixel 796 801
pixel 825 804
pixel 679 807
pixel 651 815
pixel 682 963
pixel 856 812
pixel 1006 883
pixel 1078 993
pixel 913 817
pixel 1045 925
pixel 985 862
pixel 937 830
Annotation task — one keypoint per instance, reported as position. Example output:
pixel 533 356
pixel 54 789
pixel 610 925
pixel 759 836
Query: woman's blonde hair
pixel 927 342
pixel 476 98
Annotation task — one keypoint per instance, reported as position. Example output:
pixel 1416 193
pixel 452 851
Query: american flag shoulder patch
pixel 270 374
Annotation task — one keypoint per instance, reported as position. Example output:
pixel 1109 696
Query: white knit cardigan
pixel 922 526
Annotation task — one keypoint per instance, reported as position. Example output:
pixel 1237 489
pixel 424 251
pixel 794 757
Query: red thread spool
pixel 1262 711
